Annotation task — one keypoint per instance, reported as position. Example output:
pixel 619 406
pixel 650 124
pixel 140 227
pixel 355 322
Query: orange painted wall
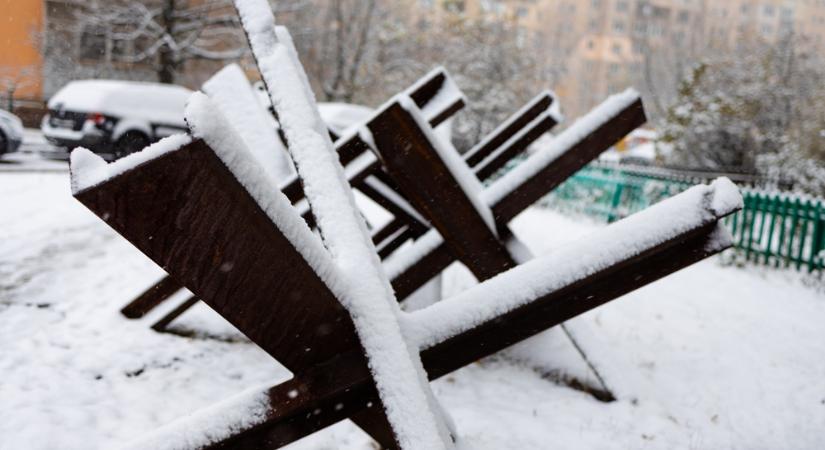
pixel 20 21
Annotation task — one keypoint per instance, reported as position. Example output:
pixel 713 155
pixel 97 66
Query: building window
pixel 768 10
pixel 121 49
pixel 593 25
pixel 455 6
pixel 622 6
pixel 93 43
pixel 617 49
pixel 618 26
pixel 684 16
pixel 613 68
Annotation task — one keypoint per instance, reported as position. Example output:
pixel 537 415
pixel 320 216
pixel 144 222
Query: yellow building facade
pixel 21 62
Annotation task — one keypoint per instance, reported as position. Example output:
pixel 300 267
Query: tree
pixel 164 34
pixel 493 64
pixel 337 44
pixel 12 79
pixel 364 51
pixel 759 110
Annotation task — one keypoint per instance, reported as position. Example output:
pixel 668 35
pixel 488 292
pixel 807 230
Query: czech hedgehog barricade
pixel 438 98
pixel 204 207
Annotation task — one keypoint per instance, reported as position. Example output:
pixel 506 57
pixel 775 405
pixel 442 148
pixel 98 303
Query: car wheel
pixel 130 142
pixel 4 144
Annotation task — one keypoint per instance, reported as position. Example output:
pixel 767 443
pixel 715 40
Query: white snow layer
pixel 208 425
pixel 448 94
pixel 554 111
pixel 398 262
pixel 513 139
pixel 396 366
pixel 206 122
pixel 230 90
pixel 89 169
pixel 563 142
pixel 695 207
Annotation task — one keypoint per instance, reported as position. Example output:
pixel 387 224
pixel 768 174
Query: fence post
pixel 818 242
pixel 805 211
pixel 614 204
pixel 783 206
pixel 772 210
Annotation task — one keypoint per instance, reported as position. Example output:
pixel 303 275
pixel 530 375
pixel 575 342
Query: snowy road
pixel 35 155
pixel 713 357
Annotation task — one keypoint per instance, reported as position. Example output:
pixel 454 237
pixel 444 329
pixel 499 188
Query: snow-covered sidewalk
pixel 712 357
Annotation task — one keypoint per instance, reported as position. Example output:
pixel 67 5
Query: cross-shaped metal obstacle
pixel 438 98
pixel 201 209
pixel 435 85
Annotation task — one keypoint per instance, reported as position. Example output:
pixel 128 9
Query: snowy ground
pixel 713 357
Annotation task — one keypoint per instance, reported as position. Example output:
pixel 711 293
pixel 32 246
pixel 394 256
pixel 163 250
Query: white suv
pixel 114 118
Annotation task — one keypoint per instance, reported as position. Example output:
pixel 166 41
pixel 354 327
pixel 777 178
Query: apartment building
pixel 592 48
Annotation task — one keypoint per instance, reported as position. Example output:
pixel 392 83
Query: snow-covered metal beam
pixel 434 177
pixel 518 189
pixel 543 108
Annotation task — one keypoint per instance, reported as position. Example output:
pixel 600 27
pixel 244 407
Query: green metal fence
pixel 773 228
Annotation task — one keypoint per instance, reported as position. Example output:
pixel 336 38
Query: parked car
pixel 337 116
pixel 11 132
pixel 114 118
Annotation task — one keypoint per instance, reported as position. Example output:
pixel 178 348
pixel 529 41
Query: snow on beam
pixel 230 90
pixel 435 93
pixel 427 169
pixel 568 152
pixel 694 209
pixel 543 104
pixel 514 146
